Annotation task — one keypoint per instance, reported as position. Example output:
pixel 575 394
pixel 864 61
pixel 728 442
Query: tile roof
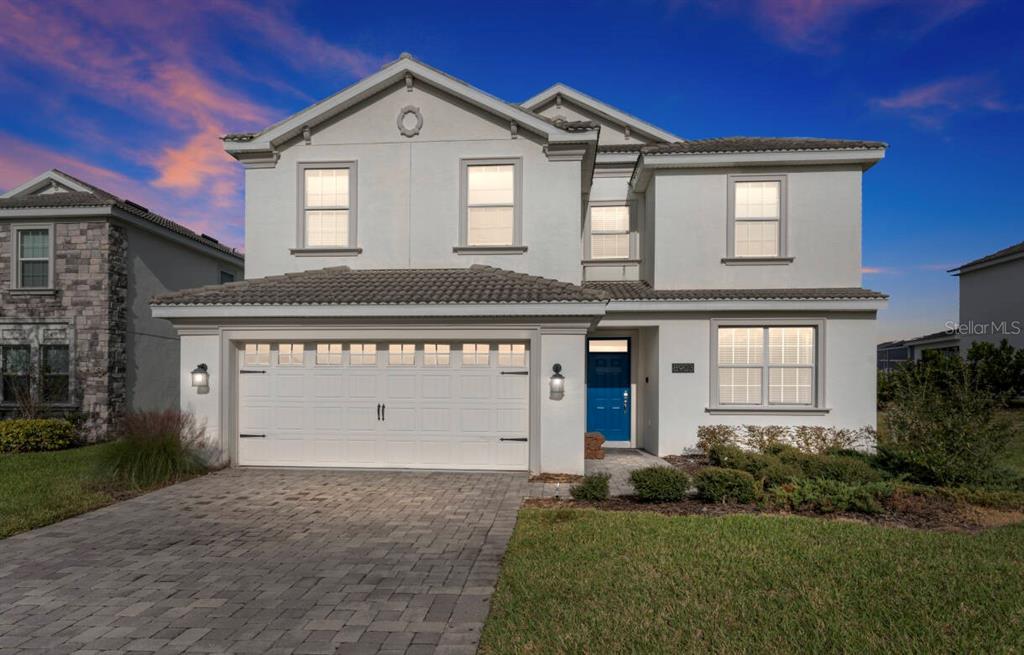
pixel 97 197
pixel 240 136
pixel 341 285
pixel 742 144
pixel 1017 249
pixel 642 291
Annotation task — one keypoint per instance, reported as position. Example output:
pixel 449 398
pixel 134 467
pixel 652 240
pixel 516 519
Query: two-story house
pixel 438 278
pixel 78 266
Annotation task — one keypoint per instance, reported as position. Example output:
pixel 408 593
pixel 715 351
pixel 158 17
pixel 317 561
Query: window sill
pixel 768 410
pixel 326 252
pixel 625 261
pixel 33 292
pixel 489 250
pixel 757 261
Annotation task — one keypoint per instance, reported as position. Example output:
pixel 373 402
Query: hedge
pixel 27 435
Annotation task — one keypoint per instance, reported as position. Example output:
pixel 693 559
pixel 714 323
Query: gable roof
pixel 1012 252
pixel 341 285
pixel 274 135
pixel 82 194
pixel 602 109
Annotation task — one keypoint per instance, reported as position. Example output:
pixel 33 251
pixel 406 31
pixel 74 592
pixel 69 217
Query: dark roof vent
pixel 136 206
pixel 209 238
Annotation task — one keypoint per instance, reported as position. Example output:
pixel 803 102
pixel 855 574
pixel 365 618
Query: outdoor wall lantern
pixel 201 377
pixel 557 383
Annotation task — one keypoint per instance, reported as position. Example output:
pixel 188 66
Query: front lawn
pixel 40 488
pixel 638 582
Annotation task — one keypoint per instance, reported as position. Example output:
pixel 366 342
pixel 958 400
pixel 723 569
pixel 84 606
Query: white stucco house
pixel 438 278
pixel 991 302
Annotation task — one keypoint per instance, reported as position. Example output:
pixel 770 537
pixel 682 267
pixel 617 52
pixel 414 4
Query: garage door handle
pixel 252 436
pixel 515 372
pixel 383 412
pixel 513 439
pixel 378 411
pixel 243 372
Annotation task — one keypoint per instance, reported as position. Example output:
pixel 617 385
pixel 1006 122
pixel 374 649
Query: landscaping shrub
pixel 779 474
pixel 820 495
pixel 842 468
pixel 763 437
pixel 941 425
pixel 817 439
pixel 733 457
pixel 719 485
pixel 24 435
pixel 154 448
pixel 660 484
pixel 591 487
pixel 709 436
pixel 998 369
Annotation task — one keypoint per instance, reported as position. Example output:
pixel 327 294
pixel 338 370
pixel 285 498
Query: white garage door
pixel 384 405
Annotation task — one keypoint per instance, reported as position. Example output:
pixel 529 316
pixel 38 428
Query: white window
pixel 609 232
pixel 33 257
pixel 257 354
pixel 328 354
pixel 328 208
pixel 436 354
pixel 490 207
pixel 757 217
pixel 364 354
pixel 401 354
pixel 476 354
pixel 784 358
pixel 511 354
pixel 289 354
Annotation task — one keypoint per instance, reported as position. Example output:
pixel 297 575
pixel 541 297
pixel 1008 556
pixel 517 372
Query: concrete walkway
pixel 620 462
pixel 267 561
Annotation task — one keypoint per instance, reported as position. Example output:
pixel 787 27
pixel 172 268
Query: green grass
pixel 585 581
pixel 40 488
pixel 1015 451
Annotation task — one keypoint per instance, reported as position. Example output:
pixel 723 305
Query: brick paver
pixel 267 561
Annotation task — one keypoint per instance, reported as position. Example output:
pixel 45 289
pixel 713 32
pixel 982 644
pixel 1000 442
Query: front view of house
pixel 439 279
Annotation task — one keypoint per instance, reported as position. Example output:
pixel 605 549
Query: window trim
pixel 817 407
pixel 783 253
pixel 516 247
pixel 633 234
pixel 351 248
pixel 16 257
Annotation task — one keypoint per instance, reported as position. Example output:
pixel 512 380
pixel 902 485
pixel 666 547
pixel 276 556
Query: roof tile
pixel 642 291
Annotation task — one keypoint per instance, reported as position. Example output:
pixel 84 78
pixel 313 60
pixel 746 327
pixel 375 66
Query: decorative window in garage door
pixel 257 354
pixel 364 354
pixel 436 354
pixel 511 354
pixel 289 354
pixel 476 354
pixel 401 354
pixel 328 354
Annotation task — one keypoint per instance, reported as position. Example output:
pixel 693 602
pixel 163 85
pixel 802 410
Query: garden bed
pixel 906 509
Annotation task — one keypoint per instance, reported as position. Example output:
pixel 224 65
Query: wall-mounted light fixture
pixel 557 383
pixel 201 377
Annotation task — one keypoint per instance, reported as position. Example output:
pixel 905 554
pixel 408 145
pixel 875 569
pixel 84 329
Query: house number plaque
pixel 682 367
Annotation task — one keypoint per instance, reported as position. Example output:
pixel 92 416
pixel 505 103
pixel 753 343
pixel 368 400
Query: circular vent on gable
pixel 410 121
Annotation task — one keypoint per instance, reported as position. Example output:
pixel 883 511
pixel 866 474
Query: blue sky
pixel 132 96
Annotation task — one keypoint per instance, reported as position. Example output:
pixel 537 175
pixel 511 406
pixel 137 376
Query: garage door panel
pixel 446 416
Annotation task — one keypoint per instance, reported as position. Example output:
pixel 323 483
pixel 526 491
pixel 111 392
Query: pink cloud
pixel 931 104
pixel 877 270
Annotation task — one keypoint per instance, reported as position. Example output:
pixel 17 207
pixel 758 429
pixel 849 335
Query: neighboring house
pixel 78 267
pixel 441 279
pixel 893 353
pixel 991 298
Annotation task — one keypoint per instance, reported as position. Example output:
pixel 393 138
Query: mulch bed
pixel 903 510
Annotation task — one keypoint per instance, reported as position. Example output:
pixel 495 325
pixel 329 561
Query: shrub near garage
pixel 660 484
pixel 36 434
pixel 591 487
pixel 718 485
pixel 154 448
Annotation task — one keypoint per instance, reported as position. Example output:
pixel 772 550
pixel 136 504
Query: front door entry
pixel 608 389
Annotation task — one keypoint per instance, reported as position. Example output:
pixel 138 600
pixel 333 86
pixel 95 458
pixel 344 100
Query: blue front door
pixel 608 390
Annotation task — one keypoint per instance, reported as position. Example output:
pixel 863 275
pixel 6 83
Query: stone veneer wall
pixel 91 280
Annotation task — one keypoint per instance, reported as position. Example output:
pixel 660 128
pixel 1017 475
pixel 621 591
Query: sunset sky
pixel 132 96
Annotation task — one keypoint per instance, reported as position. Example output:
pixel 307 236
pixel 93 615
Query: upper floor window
pixel 491 203
pixel 757 216
pixel 328 214
pixel 33 255
pixel 609 232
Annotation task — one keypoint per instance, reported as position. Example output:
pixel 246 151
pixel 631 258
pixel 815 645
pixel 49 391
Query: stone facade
pixel 86 310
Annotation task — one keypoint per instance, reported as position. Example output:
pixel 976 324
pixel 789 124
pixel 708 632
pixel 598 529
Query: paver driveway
pixel 267 561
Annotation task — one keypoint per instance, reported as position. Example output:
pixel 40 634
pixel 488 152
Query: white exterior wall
pixel 992 302
pixel 204 348
pixel 409 198
pixel 562 422
pixel 823 227
pixel 682 399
